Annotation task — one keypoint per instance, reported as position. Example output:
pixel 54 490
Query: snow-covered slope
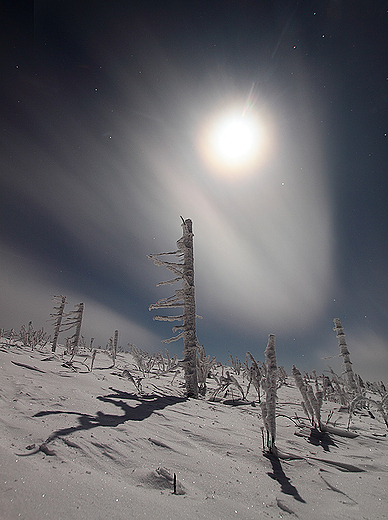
pixel 85 445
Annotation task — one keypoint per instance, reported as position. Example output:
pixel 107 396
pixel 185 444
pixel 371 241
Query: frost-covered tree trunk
pixel 184 297
pixel 269 406
pixel 190 342
pixel 58 316
pixel 30 335
pixel 74 319
pixel 77 334
pixel 114 347
pixel 345 355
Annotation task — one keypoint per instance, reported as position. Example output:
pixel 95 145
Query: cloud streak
pixel 27 287
pixel 263 243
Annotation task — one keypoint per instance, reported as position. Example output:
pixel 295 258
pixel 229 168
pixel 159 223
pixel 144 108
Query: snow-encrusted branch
pixel 162 305
pixel 174 338
pixel 169 282
pixel 168 318
pixel 175 267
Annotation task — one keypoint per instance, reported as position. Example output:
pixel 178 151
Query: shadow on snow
pixel 278 474
pixel 148 405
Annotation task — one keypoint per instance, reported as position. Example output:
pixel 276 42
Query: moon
pixel 232 142
pixel 235 139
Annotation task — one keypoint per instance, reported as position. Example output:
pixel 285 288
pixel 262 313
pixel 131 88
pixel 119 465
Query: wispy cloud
pixel 27 287
pixel 263 244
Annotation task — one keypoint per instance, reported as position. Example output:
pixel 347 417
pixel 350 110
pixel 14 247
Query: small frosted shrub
pixel 361 401
pixel 236 364
pixel 31 337
pixel 171 363
pixel 136 381
pixel 204 366
pixel 224 384
pixel 312 403
pixel 340 394
pixel 143 360
pixel 254 374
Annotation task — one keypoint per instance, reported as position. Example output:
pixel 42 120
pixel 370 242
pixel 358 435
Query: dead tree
pixel 184 297
pixel 74 319
pixel 57 318
pixel 345 355
pixel 268 407
pixel 114 347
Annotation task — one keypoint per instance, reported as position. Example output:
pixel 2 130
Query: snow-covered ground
pixel 86 445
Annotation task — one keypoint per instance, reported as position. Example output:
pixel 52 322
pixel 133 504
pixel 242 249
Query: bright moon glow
pixel 233 143
pixel 235 139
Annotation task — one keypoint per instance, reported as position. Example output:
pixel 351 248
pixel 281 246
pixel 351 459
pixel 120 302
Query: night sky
pixel 104 106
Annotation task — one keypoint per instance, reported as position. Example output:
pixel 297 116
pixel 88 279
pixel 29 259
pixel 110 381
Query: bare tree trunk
pixel 345 354
pixel 58 321
pixel 30 335
pixel 74 319
pixel 190 342
pixel 77 333
pixel 270 390
pixel 184 297
pixel 114 347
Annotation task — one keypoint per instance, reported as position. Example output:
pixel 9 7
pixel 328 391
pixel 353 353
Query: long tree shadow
pixel 148 404
pixel 318 438
pixel 279 475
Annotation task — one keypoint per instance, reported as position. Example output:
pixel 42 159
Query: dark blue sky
pixel 103 106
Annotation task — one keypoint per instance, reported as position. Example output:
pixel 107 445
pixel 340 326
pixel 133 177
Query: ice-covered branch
pixel 174 338
pixel 176 300
pixel 168 318
pixel 166 305
pixel 175 267
pixel 169 282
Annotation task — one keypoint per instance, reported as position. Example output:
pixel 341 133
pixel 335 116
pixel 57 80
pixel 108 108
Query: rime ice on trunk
pixel 184 297
pixel 114 347
pixel 77 334
pixel 270 390
pixel 30 335
pixel 190 342
pixel 58 320
pixel 345 354
pixel 74 319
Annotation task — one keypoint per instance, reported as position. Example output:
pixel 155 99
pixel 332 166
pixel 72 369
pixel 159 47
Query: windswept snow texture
pixel 85 445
